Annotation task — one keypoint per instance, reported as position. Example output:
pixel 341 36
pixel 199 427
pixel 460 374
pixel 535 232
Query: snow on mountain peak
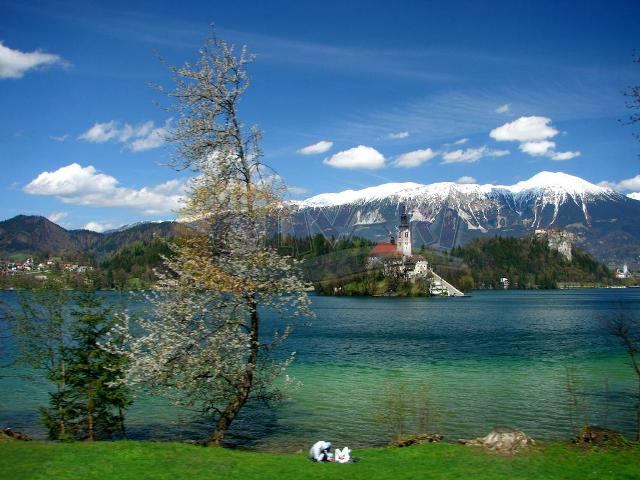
pixel 556 182
pixel 560 182
pixel 128 226
pixel 356 196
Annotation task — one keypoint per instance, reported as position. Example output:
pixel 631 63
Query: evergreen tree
pixel 40 332
pixel 94 397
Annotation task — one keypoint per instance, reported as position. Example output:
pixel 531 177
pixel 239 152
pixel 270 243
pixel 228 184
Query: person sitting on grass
pixel 320 452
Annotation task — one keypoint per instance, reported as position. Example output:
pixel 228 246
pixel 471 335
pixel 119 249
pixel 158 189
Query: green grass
pixel 150 460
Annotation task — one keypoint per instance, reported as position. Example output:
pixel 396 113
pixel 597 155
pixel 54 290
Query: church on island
pixel 396 258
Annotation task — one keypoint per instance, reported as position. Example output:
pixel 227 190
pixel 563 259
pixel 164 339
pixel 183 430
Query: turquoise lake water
pixel 497 358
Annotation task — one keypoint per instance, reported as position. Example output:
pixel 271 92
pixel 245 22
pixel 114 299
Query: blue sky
pixel 381 90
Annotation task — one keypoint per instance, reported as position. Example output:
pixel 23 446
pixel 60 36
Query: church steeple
pixel 404 233
pixel 404 221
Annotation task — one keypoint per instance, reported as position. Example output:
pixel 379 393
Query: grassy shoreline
pixel 125 460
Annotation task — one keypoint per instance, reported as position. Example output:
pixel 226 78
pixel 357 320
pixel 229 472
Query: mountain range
pixel 443 215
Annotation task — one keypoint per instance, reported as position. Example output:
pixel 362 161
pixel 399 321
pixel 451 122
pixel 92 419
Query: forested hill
pixel 38 236
pixel 528 263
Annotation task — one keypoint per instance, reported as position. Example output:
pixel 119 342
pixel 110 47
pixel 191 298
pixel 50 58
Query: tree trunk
pixel 61 387
pixel 91 435
pixel 638 413
pixel 234 406
pixel 229 414
pixel 121 422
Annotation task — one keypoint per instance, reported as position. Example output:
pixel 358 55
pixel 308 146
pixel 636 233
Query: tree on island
pixel 201 344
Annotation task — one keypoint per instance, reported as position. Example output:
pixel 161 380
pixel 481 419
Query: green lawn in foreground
pixel 142 460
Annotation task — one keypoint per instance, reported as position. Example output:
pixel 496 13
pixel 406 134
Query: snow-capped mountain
pixel 128 226
pixel 448 214
pixel 550 184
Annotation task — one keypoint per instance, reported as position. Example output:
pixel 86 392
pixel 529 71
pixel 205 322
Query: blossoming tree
pixel 201 344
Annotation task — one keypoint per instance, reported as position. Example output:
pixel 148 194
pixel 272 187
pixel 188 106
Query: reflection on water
pixel 495 358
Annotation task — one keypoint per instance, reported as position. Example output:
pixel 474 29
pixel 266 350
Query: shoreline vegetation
pixel 526 262
pixel 139 459
pixel 339 267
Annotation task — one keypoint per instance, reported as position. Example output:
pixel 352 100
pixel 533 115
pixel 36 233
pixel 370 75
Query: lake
pixel 459 366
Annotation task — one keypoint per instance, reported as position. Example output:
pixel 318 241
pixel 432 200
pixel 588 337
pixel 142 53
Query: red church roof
pixel 383 249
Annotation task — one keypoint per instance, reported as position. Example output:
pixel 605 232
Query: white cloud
pixel 60 138
pixel 138 138
pixel 503 108
pixel 537 148
pixel 320 147
pixel 415 158
pixel 560 156
pixel 100 132
pixel 98 226
pixel 466 179
pixel 545 148
pixel 608 184
pixel 154 139
pixel 14 63
pixel 533 134
pixel 634 195
pixel 632 183
pixel 79 185
pixel 55 217
pixel 296 190
pixel 525 129
pixel 357 157
pixel 462 141
pixel 399 135
pixel 471 155
pixel 627 185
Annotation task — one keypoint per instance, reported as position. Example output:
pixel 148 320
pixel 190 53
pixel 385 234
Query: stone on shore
pixel 505 440
pixel 418 439
pixel 599 436
pixel 7 435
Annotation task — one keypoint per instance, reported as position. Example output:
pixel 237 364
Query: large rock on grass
pixel 505 440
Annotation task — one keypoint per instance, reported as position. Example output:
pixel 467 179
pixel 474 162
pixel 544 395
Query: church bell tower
pixel 403 242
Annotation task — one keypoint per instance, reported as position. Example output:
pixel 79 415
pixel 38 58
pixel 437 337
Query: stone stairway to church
pixel 453 291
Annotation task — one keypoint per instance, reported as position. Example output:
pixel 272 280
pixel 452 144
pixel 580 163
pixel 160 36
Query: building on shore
pixel 623 273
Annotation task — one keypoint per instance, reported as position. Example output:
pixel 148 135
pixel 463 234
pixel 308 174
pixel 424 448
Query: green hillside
pixel 340 267
pixel 528 263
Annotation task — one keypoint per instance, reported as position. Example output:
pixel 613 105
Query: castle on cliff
pixel 559 240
